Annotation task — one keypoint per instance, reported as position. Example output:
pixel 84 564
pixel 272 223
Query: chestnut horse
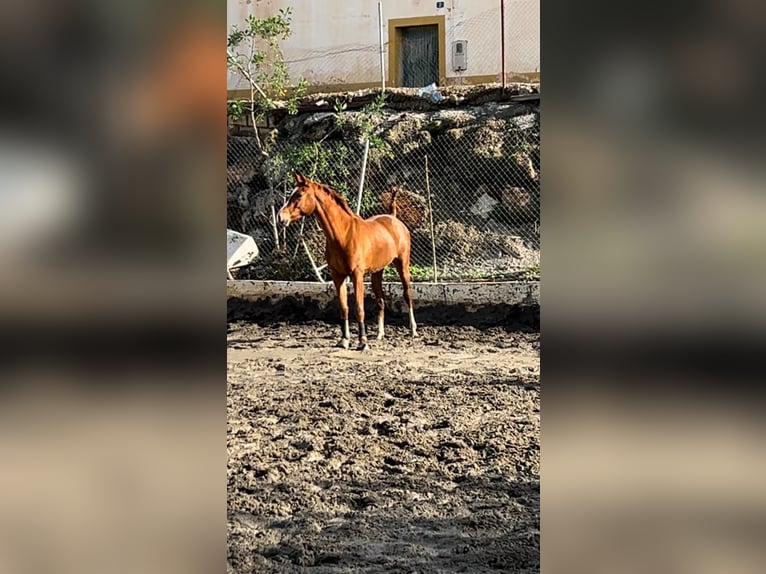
pixel 354 247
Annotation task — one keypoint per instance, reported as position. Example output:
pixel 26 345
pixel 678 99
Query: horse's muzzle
pixel 284 218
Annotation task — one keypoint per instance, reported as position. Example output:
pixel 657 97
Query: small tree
pixel 254 53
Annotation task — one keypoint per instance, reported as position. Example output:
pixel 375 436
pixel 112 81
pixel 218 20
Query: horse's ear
pixel 299 179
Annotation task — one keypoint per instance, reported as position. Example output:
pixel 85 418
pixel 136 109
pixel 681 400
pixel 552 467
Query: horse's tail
pixel 394 192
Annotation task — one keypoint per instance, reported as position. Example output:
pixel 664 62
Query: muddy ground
pixel 415 456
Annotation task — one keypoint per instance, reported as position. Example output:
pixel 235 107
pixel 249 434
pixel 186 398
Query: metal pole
pixel 361 178
pixel 274 227
pixel 502 38
pixel 431 223
pixel 382 57
pixel 317 270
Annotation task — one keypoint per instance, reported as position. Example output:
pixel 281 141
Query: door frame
pixel 394 45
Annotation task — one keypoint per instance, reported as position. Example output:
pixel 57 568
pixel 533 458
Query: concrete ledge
pixel 446 303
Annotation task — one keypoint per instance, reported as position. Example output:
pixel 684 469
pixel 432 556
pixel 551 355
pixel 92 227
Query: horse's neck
pixel 333 219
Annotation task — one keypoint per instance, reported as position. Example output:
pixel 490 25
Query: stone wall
pixel 482 145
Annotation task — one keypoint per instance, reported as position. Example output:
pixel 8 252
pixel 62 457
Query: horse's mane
pixel 337 197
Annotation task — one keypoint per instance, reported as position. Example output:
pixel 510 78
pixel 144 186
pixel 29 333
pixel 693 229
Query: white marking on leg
pixel 413 325
pixel 381 329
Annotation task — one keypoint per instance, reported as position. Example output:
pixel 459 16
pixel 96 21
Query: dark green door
pixel 419 56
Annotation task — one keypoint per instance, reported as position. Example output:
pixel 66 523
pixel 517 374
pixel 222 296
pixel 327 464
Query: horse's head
pixel 301 202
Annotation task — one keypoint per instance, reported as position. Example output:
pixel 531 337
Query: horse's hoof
pixel 363 347
pixel 343 344
pixel 379 337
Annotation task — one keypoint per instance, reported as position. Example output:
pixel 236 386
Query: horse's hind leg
pixel 377 289
pixel 403 268
pixel 340 286
pixel 358 280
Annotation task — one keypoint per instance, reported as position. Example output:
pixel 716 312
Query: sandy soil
pixel 411 457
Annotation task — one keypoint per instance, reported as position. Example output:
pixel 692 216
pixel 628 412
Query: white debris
pixel 484 206
pixel 241 249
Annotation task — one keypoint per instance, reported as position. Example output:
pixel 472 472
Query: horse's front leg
pixel 358 280
pixel 340 286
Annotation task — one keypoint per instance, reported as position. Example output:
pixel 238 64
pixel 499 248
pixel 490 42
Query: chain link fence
pixel 465 157
pixel 468 178
pixel 522 38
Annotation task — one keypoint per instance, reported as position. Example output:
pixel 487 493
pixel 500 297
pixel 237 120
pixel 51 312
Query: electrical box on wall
pixel 460 55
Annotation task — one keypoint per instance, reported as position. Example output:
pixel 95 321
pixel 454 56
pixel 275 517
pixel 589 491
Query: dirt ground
pixel 415 456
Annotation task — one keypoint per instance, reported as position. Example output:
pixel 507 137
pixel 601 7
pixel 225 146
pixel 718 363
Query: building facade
pixel 335 44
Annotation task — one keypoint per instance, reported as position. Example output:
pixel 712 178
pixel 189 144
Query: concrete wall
pixel 440 304
pixel 335 43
